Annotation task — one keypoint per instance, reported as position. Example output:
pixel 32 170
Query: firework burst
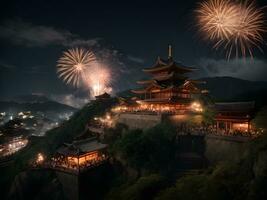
pixel 233 25
pixel 99 79
pixel 72 66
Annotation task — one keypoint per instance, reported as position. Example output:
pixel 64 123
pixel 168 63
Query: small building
pixel 81 154
pixel 103 96
pixel 234 116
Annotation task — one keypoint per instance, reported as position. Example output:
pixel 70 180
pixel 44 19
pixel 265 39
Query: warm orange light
pixel 40 158
pixel 83 158
pixel 196 106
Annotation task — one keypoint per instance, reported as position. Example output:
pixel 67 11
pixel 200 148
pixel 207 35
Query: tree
pixel 153 149
pixel 208 116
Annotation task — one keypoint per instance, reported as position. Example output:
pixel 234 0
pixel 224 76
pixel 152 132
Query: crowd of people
pixel 63 163
pixel 199 130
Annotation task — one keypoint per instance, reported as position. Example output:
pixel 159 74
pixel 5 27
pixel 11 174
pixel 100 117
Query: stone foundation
pixel 147 120
pixel 224 148
pixel 140 121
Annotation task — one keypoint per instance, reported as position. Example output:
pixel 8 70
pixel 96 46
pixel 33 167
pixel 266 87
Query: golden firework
pixel 72 65
pixel 99 79
pixel 233 25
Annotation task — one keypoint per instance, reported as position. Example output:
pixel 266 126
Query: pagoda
pixel 169 87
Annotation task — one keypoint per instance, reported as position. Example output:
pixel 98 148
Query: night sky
pixel 128 34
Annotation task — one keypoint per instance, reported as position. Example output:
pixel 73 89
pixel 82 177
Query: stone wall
pixel 140 121
pixel 70 185
pixel 146 120
pixel 224 148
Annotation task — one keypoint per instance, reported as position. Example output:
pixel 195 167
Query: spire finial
pixel 170 52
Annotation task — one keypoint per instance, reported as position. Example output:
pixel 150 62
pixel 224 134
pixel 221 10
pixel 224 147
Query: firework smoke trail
pixel 72 66
pixel 233 25
pixel 99 79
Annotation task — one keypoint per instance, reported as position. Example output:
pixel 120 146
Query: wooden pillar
pixel 217 126
pixel 78 161
pixel 248 127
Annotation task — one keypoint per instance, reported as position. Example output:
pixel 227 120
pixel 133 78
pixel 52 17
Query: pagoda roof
pixel 190 85
pixel 164 77
pixel 81 146
pixel 157 87
pixel 128 101
pixel 146 81
pixel 197 81
pixel 155 90
pixel 244 107
pixel 238 112
pixel 103 96
pixel 150 87
pixel 169 65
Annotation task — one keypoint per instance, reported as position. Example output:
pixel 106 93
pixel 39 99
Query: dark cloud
pixel 81 42
pixel 6 66
pixel 250 69
pixel 136 59
pixel 36 70
pixel 70 99
pixel 23 33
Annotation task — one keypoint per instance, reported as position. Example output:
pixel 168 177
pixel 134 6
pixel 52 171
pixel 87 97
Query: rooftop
pixel 162 65
pixel 235 106
pixel 81 146
pixel 103 96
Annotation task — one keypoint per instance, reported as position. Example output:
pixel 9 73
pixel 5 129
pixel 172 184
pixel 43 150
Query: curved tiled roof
pixel 81 146
pixel 235 106
pixel 162 65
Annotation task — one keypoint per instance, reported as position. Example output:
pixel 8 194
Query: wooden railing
pixel 211 132
pixel 66 167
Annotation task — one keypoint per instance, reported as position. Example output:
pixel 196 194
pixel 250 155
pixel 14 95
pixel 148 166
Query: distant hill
pixel 49 106
pixel 228 88
pixel 34 103
pixel 30 98
pixel 27 98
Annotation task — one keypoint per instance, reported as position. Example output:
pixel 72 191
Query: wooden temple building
pixel 169 88
pixel 234 117
pixel 103 96
pixel 170 95
pixel 81 154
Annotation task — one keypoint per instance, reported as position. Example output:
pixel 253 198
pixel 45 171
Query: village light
pixel 3 113
pixel 40 158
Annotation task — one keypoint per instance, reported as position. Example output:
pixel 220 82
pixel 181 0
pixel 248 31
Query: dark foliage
pixel 151 150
